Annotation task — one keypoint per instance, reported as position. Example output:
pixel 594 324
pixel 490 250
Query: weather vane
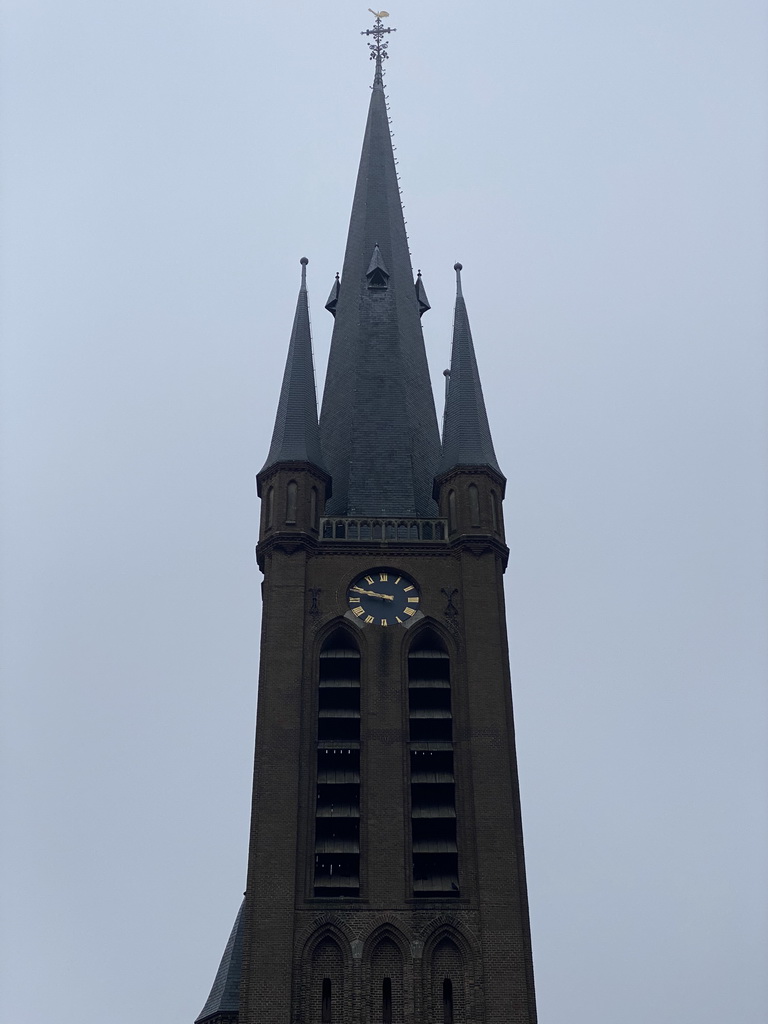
pixel 379 46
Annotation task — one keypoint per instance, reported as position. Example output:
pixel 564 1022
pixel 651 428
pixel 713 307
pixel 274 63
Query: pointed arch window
pixel 447 1001
pixel 386 1001
pixel 451 511
pixel 433 787
pixel 337 811
pixel 270 507
pixel 313 508
pixel 474 505
pixel 325 1002
pixel 291 500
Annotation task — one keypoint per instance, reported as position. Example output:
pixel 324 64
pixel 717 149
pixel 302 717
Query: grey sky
pixel 600 171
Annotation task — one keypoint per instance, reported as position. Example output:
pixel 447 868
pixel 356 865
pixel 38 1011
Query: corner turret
pixel 293 483
pixel 469 485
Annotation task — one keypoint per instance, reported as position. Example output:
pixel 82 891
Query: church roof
pixel 296 437
pixel 466 434
pixel 225 994
pixel 378 424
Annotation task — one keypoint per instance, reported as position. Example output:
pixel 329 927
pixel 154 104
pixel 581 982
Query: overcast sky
pixel 600 170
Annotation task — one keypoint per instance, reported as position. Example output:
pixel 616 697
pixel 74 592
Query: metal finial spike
pixel 378 47
pixel 458 268
pixel 303 261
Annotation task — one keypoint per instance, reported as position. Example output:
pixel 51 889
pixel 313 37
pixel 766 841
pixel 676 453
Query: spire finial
pixel 379 46
pixel 304 261
pixel 458 268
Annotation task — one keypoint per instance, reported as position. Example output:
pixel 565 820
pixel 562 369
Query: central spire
pixel 378 425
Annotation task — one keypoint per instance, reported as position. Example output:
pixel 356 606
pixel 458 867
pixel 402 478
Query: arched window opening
pixel 386 1001
pixel 313 517
pixel 447 1002
pixel 325 1006
pixel 291 500
pixel 433 786
pixel 448 983
pixel 386 993
pixel 474 505
pixel 270 506
pixel 451 511
pixel 494 512
pixel 337 814
pixel 325 995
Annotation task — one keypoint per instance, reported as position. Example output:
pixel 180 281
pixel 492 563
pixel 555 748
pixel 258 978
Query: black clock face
pixel 382 597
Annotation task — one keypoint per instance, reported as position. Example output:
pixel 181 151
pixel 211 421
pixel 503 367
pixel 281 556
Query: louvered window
pixel 337 813
pixel 433 789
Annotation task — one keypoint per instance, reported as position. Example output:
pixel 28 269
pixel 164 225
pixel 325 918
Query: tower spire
pixel 378 425
pixel 466 433
pixel 296 437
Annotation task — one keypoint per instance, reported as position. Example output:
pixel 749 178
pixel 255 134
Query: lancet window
pixel 337 812
pixel 433 787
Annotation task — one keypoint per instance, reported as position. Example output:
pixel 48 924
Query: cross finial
pixel 379 46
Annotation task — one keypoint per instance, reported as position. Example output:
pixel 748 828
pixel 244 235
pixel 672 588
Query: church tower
pixel 386 880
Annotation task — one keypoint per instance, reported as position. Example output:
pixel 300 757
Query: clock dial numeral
pixel 413 600
pixel 399 619
pixel 398 580
pixel 369 580
pixel 409 611
pixel 354 600
pixel 358 612
pixel 409 588
pixel 369 618
pixel 383 577
pixel 383 622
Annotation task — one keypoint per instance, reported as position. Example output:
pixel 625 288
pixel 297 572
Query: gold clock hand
pixel 372 593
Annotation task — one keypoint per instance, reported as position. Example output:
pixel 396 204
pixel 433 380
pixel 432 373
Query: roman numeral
pixel 413 600
pixel 383 577
pixel 369 580
pixel 409 611
pixel 398 579
pixel 384 622
pixel 369 618
pixel 409 588
pixel 358 612
pixel 354 600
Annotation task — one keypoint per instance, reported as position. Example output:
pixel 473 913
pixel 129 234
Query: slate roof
pixel 378 425
pixel 466 434
pixel 296 437
pixel 225 994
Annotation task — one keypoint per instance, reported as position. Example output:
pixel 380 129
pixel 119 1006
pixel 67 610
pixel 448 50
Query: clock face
pixel 383 598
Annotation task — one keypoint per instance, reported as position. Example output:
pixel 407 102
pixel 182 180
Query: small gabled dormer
pixel 377 273
pixel 333 298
